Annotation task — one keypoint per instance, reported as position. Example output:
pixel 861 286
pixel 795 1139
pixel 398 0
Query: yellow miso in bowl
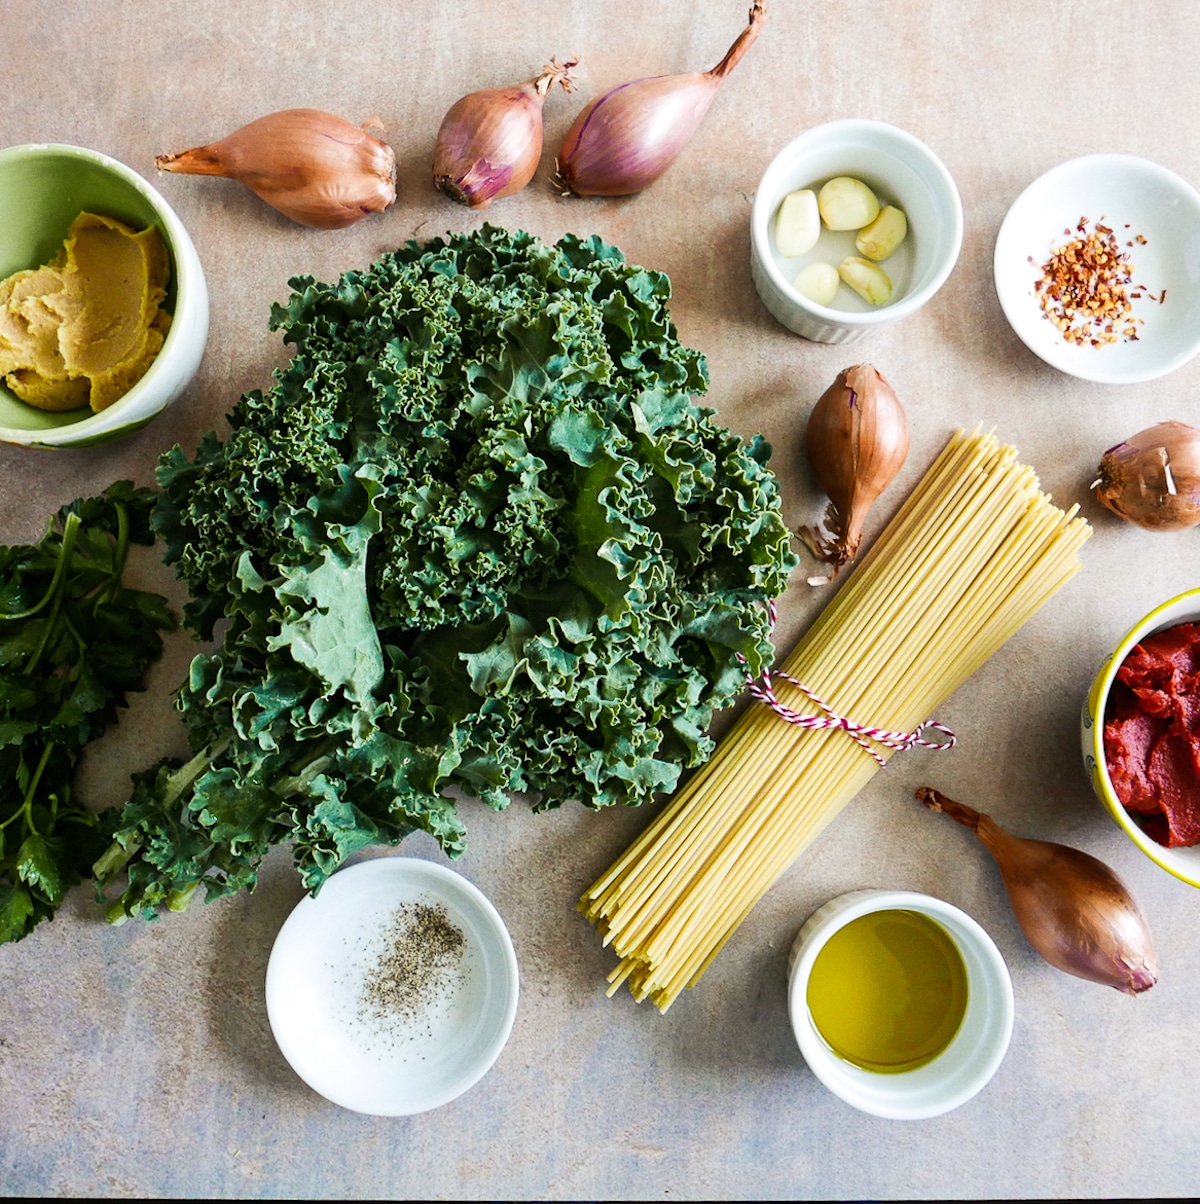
pixel 888 991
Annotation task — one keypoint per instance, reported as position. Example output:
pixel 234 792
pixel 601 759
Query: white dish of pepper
pixel 393 990
pixel 1097 268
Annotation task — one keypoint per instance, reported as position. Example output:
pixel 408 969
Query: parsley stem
pixel 66 618
pixel 80 817
pixel 120 552
pixel 58 587
pixel 26 808
pixel 66 547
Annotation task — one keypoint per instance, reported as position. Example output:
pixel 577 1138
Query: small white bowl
pixel 391 1065
pixel 901 170
pixel 43 188
pixel 962 1069
pixel 1133 197
pixel 1183 863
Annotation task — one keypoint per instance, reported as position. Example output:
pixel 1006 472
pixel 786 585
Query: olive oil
pixel 888 991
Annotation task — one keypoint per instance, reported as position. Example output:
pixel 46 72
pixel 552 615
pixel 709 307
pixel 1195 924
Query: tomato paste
pixel 1152 735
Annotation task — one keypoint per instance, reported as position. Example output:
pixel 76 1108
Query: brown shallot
pixel 313 167
pixel 856 441
pixel 1073 909
pixel 625 139
pixel 490 142
pixel 1152 479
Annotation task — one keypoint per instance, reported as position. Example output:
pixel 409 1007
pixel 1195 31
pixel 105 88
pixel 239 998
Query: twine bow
pixel 763 689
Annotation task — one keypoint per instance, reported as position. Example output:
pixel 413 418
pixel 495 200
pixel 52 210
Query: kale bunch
pixel 477 538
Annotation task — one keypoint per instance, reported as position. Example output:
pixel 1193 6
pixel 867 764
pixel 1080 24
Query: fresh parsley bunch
pixel 73 641
pixel 477 538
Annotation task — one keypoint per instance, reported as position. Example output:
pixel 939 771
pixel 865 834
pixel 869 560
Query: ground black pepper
pixel 422 948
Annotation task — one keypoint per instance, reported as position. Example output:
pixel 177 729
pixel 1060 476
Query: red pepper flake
pixel 1086 286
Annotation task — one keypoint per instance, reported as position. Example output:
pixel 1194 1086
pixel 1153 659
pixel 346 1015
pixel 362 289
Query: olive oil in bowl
pixel 888 991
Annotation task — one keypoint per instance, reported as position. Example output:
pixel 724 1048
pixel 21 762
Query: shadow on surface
pixel 236 1005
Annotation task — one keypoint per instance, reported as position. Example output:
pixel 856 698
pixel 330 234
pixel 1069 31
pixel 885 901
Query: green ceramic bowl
pixel 43 188
pixel 1183 863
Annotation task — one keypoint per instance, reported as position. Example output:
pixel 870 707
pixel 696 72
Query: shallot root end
pixel 553 72
pixel 198 161
pixel 935 800
pixel 833 548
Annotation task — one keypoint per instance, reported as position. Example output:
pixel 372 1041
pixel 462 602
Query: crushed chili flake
pixel 1086 286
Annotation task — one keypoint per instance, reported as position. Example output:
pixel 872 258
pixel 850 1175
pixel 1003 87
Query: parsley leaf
pixel 73 641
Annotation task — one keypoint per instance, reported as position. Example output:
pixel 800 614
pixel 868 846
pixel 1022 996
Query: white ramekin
pixel 962 1069
pixel 896 165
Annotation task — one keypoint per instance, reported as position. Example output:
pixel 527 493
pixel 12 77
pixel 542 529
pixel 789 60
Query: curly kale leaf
pixel 477 538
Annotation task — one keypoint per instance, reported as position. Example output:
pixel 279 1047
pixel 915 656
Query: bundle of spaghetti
pixel 974 551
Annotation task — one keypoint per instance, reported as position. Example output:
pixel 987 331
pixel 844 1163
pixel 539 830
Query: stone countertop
pixel 138 1061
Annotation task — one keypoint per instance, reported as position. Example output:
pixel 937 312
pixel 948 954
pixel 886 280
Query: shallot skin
pixel 1152 479
pixel 490 141
pixel 316 168
pixel 598 158
pixel 1074 910
pixel 1101 935
pixel 856 442
pixel 624 140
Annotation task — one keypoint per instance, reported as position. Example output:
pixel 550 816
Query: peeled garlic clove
pixel 798 223
pixel 818 282
pixel 879 239
pixel 847 204
pixel 867 279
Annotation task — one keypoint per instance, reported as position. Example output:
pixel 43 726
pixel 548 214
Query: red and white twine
pixel 763 689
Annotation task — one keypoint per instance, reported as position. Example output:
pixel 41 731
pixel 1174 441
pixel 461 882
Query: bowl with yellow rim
pixel 1183 863
pixel 44 187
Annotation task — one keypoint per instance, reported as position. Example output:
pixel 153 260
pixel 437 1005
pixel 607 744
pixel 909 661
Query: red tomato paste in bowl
pixel 1152 735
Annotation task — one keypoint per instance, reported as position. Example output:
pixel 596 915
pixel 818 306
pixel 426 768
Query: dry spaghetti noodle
pixel 975 550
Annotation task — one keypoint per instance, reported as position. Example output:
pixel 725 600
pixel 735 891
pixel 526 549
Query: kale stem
pixel 286 787
pixel 177 900
pixel 181 780
pixel 113 860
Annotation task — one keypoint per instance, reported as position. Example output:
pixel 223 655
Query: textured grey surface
pixel 138 1061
